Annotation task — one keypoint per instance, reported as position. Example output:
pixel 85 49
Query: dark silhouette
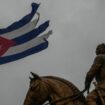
pixel 96 71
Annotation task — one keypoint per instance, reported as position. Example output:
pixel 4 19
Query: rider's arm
pixel 96 66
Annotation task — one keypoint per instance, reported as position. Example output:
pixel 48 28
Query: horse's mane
pixel 74 89
pixel 68 83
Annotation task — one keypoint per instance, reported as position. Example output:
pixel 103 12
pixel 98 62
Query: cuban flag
pixel 24 37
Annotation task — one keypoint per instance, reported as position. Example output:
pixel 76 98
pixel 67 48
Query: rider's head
pixel 100 49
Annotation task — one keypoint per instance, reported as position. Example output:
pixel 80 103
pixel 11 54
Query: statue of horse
pixel 55 90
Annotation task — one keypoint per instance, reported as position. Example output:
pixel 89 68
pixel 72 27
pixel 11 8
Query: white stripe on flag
pixel 27 28
pixel 34 42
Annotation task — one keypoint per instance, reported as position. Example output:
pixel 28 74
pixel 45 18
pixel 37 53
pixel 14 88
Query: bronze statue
pixel 96 71
pixel 57 91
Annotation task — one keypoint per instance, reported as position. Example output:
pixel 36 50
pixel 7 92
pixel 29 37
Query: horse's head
pixel 37 93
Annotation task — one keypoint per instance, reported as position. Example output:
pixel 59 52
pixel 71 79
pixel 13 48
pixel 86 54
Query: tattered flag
pixel 21 38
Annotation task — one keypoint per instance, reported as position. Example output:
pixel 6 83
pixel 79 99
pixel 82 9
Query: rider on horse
pixel 96 71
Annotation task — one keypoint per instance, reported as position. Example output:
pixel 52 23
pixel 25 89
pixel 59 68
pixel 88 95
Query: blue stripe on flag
pixel 30 51
pixel 32 34
pixel 21 22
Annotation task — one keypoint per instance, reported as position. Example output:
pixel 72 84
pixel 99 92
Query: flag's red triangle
pixel 5 44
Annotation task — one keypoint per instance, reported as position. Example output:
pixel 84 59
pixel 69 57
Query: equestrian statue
pixel 52 90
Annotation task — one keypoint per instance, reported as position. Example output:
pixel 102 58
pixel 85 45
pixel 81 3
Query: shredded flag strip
pixel 24 37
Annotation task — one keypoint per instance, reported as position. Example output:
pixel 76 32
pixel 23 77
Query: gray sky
pixel 78 27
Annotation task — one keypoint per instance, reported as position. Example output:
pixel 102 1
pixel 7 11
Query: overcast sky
pixel 78 27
